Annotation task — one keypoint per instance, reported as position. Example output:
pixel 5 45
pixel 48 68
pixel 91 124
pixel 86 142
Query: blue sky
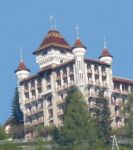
pixel 24 23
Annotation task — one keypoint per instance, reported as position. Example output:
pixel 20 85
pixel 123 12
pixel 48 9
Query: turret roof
pixel 53 39
pixel 105 53
pixel 78 43
pixel 21 66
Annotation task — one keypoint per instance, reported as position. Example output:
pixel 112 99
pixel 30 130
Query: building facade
pixel 42 95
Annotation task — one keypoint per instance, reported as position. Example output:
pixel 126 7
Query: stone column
pixel 36 90
pixel 29 88
pixel 100 74
pixel 93 74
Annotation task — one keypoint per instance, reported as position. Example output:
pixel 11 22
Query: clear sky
pixel 24 23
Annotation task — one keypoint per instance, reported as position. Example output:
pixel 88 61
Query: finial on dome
pixel 105 45
pixel 77 30
pixel 52 22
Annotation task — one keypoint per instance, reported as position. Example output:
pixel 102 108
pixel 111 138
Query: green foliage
pixel 9 146
pixel 128 113
pixel 44 131
pixel 78 129
pixel 40 144
pixel 17 115
pixel 3 134
pixel 102 115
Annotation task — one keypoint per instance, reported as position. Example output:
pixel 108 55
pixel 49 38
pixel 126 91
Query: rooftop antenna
pixel 105 45
pixel 77 30
pixel 52 22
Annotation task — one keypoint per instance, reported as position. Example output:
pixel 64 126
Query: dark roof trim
pixel 122 80
pixel 96 62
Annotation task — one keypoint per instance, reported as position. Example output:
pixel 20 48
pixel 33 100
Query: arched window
pixel 47 77
pixel 49 100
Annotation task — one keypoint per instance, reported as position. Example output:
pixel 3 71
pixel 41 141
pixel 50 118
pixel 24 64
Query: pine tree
pixel 3 134
pixel 17 126
pixel 128 110
pixel 78 131
pixel 102 115
pixel 17 114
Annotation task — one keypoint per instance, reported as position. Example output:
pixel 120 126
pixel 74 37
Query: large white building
pixel 42 95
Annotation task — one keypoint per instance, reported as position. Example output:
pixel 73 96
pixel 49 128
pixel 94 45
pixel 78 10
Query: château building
pixel 42 95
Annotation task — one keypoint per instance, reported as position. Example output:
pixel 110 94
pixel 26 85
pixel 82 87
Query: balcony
pixel 65 86
pixel 27 100
pixel 90 81
pixel 117 90
pixel 47 91
pixel 33 98
pixel 104 74
pixel 33 112
pixel 71 72
pixel 96 72
pixel 125 92
pixel 39 85
pixel 105 84
pixel 59 88
pixel 59 112
pixel 32 88
pixel 97 83
pixel 58 77
pixel 36 122
pixel 50 117
pixel 26 90
pixel 89 70
pixel 64 75
pixel 71 83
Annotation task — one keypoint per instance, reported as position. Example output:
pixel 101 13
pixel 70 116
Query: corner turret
pixel 106 56
pixel 22 71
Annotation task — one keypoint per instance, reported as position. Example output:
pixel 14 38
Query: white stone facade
pixel 42 95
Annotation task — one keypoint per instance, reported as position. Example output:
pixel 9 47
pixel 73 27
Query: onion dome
pixel 105 53
pixel 22 67
pixel 78 43
pixel 53 39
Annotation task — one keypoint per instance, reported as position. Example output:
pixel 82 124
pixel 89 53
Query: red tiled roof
pixel 105 53
pixel 53 39
pixel 22 67
pixel 122 80
pixel 78 43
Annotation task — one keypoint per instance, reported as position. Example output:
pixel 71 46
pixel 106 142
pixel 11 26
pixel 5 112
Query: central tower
pixel 53 50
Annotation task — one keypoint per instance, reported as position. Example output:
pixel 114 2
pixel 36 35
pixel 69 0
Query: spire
pixel 77 31
pixel 21 55
pixel 105 46
pixel 52 22
pixel 105 52
pixel 78 42
pixel 21 65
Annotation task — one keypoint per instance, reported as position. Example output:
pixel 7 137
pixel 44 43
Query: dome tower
pixel 106 56
pixel 22 72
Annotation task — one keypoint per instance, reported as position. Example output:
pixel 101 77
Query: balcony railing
pixel 104 73
pixel 33 112
pixel 89 71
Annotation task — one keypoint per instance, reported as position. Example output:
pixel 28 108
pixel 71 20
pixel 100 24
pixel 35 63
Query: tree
pixel 102 115
pixel 128 111
pixel 17 126
pixel 3 134
pixel 17 114
pixel 78 131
